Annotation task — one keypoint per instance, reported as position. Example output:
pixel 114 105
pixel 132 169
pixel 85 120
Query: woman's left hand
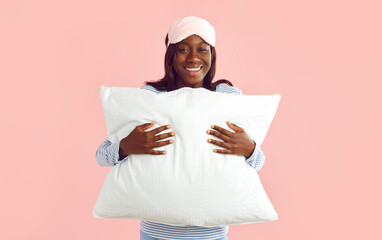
pixel 237 142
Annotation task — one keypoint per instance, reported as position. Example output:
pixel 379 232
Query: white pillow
pixel 190 184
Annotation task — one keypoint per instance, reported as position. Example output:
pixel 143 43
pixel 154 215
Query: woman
pixel 190 61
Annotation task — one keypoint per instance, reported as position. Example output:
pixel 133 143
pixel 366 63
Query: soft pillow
pixel 190 184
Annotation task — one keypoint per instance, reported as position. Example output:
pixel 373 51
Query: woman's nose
pixel 193 56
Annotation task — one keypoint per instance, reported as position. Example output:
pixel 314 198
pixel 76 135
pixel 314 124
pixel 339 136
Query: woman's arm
pixel 107 154
pixel 257 159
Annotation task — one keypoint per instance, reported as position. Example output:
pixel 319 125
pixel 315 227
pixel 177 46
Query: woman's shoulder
pixel 151 88
pixel 224 88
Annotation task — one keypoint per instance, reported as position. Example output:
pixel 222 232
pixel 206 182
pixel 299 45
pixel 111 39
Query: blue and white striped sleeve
pixel 257 159
pixel 107 153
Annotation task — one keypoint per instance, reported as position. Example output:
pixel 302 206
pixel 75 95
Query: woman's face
pixel 191 62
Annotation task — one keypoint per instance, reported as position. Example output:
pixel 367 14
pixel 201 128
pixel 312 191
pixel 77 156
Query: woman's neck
pixel 180 85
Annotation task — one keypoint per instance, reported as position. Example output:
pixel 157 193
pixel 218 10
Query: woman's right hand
pixel 141 142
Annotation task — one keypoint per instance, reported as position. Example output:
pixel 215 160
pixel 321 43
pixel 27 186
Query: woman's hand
pixel 141 142
pixel 237 142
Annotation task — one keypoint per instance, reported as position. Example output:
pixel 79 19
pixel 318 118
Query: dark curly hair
pixel 168 81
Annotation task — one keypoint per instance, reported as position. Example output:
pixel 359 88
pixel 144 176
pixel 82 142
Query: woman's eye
pixel 185 50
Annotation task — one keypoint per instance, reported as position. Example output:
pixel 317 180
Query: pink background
pixel 323 161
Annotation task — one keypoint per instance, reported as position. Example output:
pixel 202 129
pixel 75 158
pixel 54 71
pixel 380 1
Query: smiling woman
pixel 190 61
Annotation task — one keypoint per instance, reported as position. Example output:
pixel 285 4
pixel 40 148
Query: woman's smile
pixel 193 71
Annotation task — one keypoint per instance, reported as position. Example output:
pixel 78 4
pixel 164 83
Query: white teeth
pixel 194 69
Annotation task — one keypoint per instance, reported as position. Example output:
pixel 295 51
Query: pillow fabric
pixel 190 184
